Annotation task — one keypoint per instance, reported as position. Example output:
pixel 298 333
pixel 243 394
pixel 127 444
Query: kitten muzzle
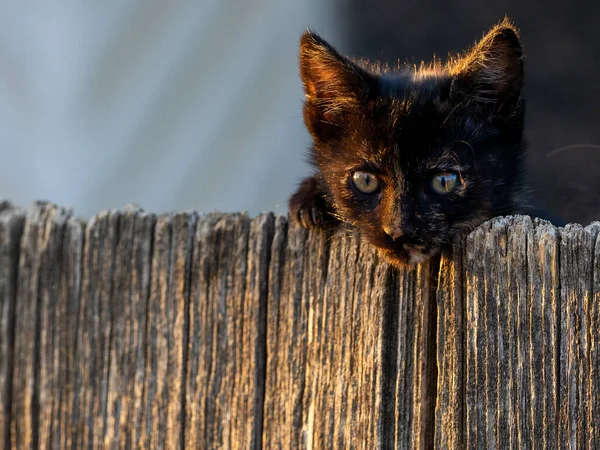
pixel 393 231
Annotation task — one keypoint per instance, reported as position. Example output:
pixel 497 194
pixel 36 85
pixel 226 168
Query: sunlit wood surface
pixel 219 331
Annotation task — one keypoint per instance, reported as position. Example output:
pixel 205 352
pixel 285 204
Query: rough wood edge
pixel 11 229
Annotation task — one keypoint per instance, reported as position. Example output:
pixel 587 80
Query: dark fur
pixel 406 125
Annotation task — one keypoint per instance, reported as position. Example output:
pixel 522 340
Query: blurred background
pixel 197 105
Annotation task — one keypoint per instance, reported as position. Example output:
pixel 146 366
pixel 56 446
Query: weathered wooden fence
pixel 220 331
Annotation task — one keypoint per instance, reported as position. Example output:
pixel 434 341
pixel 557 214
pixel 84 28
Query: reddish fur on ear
pixel 332 83
pixel 494 66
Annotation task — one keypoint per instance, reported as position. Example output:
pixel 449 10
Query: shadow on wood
pixel 220 331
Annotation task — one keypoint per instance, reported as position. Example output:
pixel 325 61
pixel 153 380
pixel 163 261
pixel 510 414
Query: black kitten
pixel 415 156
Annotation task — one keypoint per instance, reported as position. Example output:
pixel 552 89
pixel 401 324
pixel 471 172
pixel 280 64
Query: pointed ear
pixel 491 74
pixel 334 86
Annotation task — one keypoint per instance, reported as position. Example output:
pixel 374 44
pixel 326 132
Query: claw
pixel 303 219
pixel 309 207
pixel 316 216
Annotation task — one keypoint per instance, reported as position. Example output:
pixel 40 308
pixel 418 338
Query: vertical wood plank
pixel 424 378
pixel 226 368
pixel 92 355
pixel 326 347
pixel 403 370
pixel 512 335
pixel 449 412
pixel 71 289
pixel 306 343
pixel 202 339
pixel 329 313
pixel 576 294
pixel 515 382
pixel 167 332
pixel 495 282
pixel 474 293
pixel 414 358
pixel 287 338
pixel 276 416
pixel 249 390
pixel 131 286
pixel 11 229
pixel 366 411
pixel 25 364
pixel 594 354
pixel 58 292
pixel 543 302
pixel 344 376
pixel 40 371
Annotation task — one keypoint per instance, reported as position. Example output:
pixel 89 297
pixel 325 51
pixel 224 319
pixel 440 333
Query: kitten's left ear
pixel 334 86
pixel 492 72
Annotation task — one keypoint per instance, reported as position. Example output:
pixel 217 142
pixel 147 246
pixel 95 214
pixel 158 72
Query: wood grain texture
pixel 11 228
pixel 410 319
pixel 578 391
pixel 226 369
pixel 221 331
pixel 58 293
pixel 167 332
pixel 593 380
pixel 44 326
pixel 95 320
pixel 334 334
pixel 343 402
pixel 542 331
pixel 129 306
pixel 218 289
pixel 286 341
pixel 512 329
pixel 450 355
pixel 250 382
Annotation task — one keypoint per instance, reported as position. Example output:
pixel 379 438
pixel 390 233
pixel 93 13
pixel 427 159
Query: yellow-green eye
pixel 444 182
pixel 365 182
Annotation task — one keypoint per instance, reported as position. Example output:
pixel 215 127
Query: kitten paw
pixel 308 205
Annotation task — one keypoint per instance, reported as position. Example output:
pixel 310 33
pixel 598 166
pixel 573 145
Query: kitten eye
pixel 444 182
pixel 365 182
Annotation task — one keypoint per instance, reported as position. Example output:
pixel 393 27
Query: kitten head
pixel 415 156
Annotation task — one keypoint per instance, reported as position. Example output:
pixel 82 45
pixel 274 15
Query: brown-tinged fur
pixel 405 126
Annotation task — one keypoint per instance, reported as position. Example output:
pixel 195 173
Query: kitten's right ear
pixel 334 86
pixel 491 74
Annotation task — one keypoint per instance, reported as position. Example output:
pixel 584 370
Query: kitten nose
pixel 393 230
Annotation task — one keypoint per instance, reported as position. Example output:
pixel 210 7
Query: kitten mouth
pixel 405 254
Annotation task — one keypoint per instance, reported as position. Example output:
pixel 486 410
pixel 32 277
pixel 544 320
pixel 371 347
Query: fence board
pixel 220 331
pixel 225 378
pixel 167 332
pixel 129 306
pixel 58 297
pixel 577 393
pixel 45 293
pixel 450 412
pixel 287 339
pixel 11 227
pixel 345 344
pixel 92 353
pixel 593 380
pixel 511 348
pixel 543 302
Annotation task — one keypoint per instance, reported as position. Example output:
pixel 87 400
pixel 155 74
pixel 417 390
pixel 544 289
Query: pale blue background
pixel 169 105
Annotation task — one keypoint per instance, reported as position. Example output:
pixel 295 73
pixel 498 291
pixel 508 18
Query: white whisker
pixel 569 147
